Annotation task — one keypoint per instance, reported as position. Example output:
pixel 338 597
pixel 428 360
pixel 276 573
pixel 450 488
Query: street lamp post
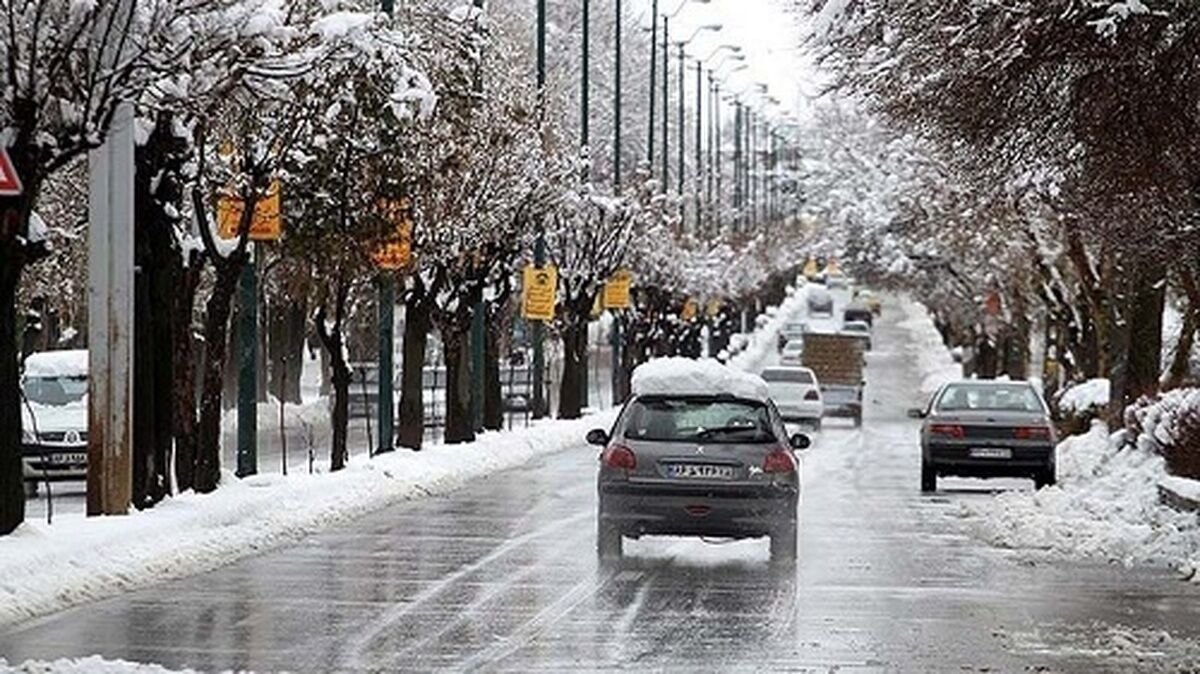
pixel 653 77
pixel 478 342
pixel 617 378
pixel 539 249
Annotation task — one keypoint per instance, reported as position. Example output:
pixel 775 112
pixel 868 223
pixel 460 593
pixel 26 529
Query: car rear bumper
pixel 800 411
pixel 956 460
pixel 742 511
pixel 842 409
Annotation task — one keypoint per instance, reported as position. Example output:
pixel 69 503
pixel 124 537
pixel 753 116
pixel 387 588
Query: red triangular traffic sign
pixel 10 182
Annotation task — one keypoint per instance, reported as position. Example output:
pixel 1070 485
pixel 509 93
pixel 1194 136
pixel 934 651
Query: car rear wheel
pixel 858 420
pixel 928 478
pixel 783 544
pixel 608 541
pixel 1044 478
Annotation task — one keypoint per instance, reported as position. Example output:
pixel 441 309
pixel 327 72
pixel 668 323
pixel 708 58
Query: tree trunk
pixel 493 394
pixel 418 321
pixel 1144 321
pixel 459 425
pixel 12 487
pixel 143 393
pixel 184 386
pixel 340 417
pixel 285 348
pixel 216 336
pixel 574 338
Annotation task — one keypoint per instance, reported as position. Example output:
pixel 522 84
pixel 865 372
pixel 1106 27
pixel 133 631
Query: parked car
pixel 796 393
pixel 986 429
pixel 793 352
pixel 837 281
pixel 820 302
pixel 54 418
pixel 857 311
pixel 790 332
pixel 859 329
pixel 698 450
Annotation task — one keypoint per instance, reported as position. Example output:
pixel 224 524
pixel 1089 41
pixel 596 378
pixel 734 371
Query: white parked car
pixel 54 418
pixel 797 394
pixel 793 352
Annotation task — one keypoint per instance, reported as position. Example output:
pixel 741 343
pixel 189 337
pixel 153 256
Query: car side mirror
pixel 597 436
pixel 916 413
pixel 799 441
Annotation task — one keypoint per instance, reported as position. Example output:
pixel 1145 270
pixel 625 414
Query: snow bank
pixel 1091 394
pixel 934 362
pixel 1105 506
pixel 48 568
pixel 684 376
pixel 91 665
pixel 764 341
pixel 57 364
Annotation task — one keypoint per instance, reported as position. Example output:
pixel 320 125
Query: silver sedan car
pixel 690 465
pixel 986 429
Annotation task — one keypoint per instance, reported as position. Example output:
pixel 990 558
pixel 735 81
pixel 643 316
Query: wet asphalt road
pixel 503 576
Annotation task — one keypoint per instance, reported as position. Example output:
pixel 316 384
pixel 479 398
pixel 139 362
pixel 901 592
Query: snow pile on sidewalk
pixel 1090 395
pixel 764 341
pixel 1105 506
pixel 47 568
pixel 934 362
pixel 91 665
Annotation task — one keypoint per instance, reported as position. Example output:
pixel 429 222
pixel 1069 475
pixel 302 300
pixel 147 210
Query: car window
pixel 698 419
pixel 787 376
pixel 999 398
pixel 55 390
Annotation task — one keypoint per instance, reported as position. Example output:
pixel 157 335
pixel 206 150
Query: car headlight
pixel 28 437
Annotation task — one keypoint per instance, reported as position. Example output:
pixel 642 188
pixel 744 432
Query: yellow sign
pixel 690 309
pixel 616 290
pixel 832 269
pixel 395 251
pixel 811 269
pixel 540 289
pixel 267 223
pixel 714 307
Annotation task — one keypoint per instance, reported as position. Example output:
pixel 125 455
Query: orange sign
pixel 616 290
pixel 540 292
pixel 395 252
pixel 267 223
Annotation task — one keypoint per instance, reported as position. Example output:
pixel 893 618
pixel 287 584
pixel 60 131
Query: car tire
pixel 858 420
pixel 783 544
pixel 609 542
pixel 1045 478
pixel 928 478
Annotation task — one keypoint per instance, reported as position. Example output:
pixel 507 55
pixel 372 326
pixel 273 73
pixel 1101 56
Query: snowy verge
pixel 1106 506
pixel 934 362
pixel 1090 395
pixel 763 342
pixel 89 665
pixel 46 568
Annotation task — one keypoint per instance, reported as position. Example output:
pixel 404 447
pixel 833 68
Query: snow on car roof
pixel 688 377
pixel 57 364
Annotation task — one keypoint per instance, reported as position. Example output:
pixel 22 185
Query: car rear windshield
pixel 698 419
pixel 55 390
pixel 789 376
pixel 1006 398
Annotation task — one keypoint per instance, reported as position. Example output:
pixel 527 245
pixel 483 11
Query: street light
pixel 654 16
pixel 713 27
pixel 720 141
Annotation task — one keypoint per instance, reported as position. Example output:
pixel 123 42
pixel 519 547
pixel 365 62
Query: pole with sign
pixel 393 254
pixel 616 296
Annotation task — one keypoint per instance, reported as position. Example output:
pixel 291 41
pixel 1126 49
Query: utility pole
pixel 539 249
pixel 666 94
pixel 616 328
pixel 739 137
pixel 478 330
pixel 653 77
pixel 584 141
pixel 386 298
pixel 699 141
pixel 682 127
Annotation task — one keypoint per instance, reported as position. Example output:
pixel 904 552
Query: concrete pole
pixel 110 320
pixel 387 346
pixel 247 402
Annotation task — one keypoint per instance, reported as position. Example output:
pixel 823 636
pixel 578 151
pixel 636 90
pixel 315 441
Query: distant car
pixel 858 311
pixel 793 352
pixel 986 429
pixel 837 281
pixel 54 418
pixel 820 302
pixel 698 450
pixel 791 331
pixel 797 394
pixel 859 328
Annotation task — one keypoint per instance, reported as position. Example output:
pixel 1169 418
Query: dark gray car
pixel 986 429
pixel 698 466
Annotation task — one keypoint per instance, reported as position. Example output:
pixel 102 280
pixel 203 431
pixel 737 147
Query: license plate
pixel 991 453
pixel 699 471
pixel 68 458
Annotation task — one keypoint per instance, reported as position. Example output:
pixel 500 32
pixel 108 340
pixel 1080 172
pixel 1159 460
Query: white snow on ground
pixel 1092 393
pixel 1105 506
pixel 685 376
pixel 933 359
pixel 762 344
pixel 47 568
pixel 91 665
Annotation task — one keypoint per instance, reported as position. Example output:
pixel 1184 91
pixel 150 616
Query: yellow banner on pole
pixel 539 289
pixel 811 269
pixel 267 223
pixel 689 311
pixel 616 290
pixel 394 253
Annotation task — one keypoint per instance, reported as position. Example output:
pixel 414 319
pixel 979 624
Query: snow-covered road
pixel 502 575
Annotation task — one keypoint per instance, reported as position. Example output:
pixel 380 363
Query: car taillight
pixel 779 461
pixel 947 430
pixel 1033 433
pixel 812 395
pixel 619 456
